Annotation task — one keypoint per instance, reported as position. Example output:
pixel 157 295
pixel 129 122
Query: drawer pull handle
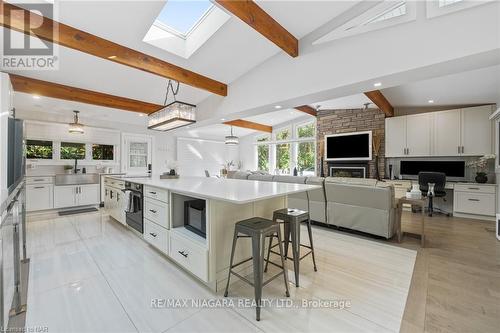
pixel 39 187
pixel 152 192
pixel 473 188
pixel 152 211
pixel 153 234
pixel 182 253
pixel 474 200
pixel 39 180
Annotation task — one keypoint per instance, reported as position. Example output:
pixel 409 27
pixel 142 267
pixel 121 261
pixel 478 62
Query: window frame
pixel 102 144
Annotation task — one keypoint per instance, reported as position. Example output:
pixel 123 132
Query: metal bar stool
pixel 257 229
pixel 292 219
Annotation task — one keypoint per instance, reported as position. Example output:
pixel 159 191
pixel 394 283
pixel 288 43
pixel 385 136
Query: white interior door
pixel 419 134
pixel 476 130
pixel 395 136
pixel 447 133
pixel 137 153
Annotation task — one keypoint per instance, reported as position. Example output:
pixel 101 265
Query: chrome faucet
pixel 76 165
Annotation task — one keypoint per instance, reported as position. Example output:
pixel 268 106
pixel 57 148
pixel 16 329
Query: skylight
pixel 398 9
pixel 443 3
pixel 183 15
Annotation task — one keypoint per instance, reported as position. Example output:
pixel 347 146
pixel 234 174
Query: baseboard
pixel 475 217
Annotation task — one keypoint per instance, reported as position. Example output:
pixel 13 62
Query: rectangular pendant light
pixel 174 115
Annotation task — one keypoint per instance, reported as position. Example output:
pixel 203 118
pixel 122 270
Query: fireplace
pixel 352 170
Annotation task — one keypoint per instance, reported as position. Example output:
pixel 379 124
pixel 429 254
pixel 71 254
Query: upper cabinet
pixel 137 153
pixel 460 132
pixel 447 131
pixel 408 135
pixel 477 131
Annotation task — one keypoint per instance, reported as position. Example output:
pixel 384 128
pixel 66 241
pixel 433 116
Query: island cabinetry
pixel 156 218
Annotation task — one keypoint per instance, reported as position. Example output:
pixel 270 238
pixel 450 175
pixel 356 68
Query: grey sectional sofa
pixel 365 205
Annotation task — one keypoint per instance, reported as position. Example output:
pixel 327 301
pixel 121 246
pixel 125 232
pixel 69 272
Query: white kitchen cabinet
pixel 418 134
pixel 447 128
pixel 460 132
pixel 39 197
pixel 65 196
pixel 395 136
pixel 88 195
pixel 476 131
pixel 136 153
pixel 76 195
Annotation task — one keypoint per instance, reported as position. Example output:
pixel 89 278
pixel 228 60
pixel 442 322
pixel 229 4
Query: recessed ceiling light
pixel 277 106
pixel 142 115
pixel 431 101
pixel 377 84
pixel 222 119
pixel 112 57
pixel 36 97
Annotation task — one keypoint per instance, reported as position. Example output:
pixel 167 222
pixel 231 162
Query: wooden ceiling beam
pixel 250 125
pixel 250 13
pixel 379 100
pixel 55 90
pixel 14 18
pixel 307 109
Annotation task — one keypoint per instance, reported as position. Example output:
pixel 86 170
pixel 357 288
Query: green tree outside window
pixel 72 150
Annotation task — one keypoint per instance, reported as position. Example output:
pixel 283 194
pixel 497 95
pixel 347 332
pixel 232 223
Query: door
pixel 476 131
pixel 419 134
pixel 65 196
pixel 137 153
pixel 88 195
pixel 39 197
pixel 395 136
pixel 447 133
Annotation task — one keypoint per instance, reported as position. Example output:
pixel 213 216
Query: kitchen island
pixel 226 201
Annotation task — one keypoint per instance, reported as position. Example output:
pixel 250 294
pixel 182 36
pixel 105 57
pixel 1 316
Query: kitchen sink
pixel 77 179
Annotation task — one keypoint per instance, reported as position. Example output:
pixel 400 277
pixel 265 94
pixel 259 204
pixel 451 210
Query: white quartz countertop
pixel 231 190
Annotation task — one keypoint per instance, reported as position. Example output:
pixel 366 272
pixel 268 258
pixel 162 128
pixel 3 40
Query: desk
pixel 413 202
pixel 469 200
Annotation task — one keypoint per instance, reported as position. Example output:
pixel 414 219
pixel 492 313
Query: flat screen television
pixel 354 146
pixel 453 169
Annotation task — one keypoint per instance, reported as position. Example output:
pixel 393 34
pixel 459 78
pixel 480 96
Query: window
pixel 183 15
pixel 306 131
pixel 283 158
pixel 306 158
pixel 38 149
pixel 443 3
pixel 263 157
pixel 138 154
pixel 398 9
pixel 72 150
pixel 103 152
pixel 283 134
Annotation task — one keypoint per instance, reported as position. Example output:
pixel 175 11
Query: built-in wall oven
pixel 135 212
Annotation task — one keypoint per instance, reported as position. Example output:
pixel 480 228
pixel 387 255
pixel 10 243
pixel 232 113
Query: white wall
pixel 248 153
pixel 194 156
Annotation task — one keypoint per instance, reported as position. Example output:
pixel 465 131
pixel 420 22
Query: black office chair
pixel 439 180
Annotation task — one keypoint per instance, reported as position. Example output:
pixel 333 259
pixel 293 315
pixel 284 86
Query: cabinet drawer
pixel 475 188
pixel 156 193
pixel 474 203
pixel 156 235
pixel 189 255
pixel 39 180
pixel 39 197
pixel 156 211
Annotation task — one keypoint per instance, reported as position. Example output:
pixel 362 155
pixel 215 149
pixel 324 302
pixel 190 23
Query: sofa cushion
pixel 265 178
pixel 240 175
pixel 353 181
pixel 290 179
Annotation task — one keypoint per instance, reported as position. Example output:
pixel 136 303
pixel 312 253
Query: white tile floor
pixel 90 274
